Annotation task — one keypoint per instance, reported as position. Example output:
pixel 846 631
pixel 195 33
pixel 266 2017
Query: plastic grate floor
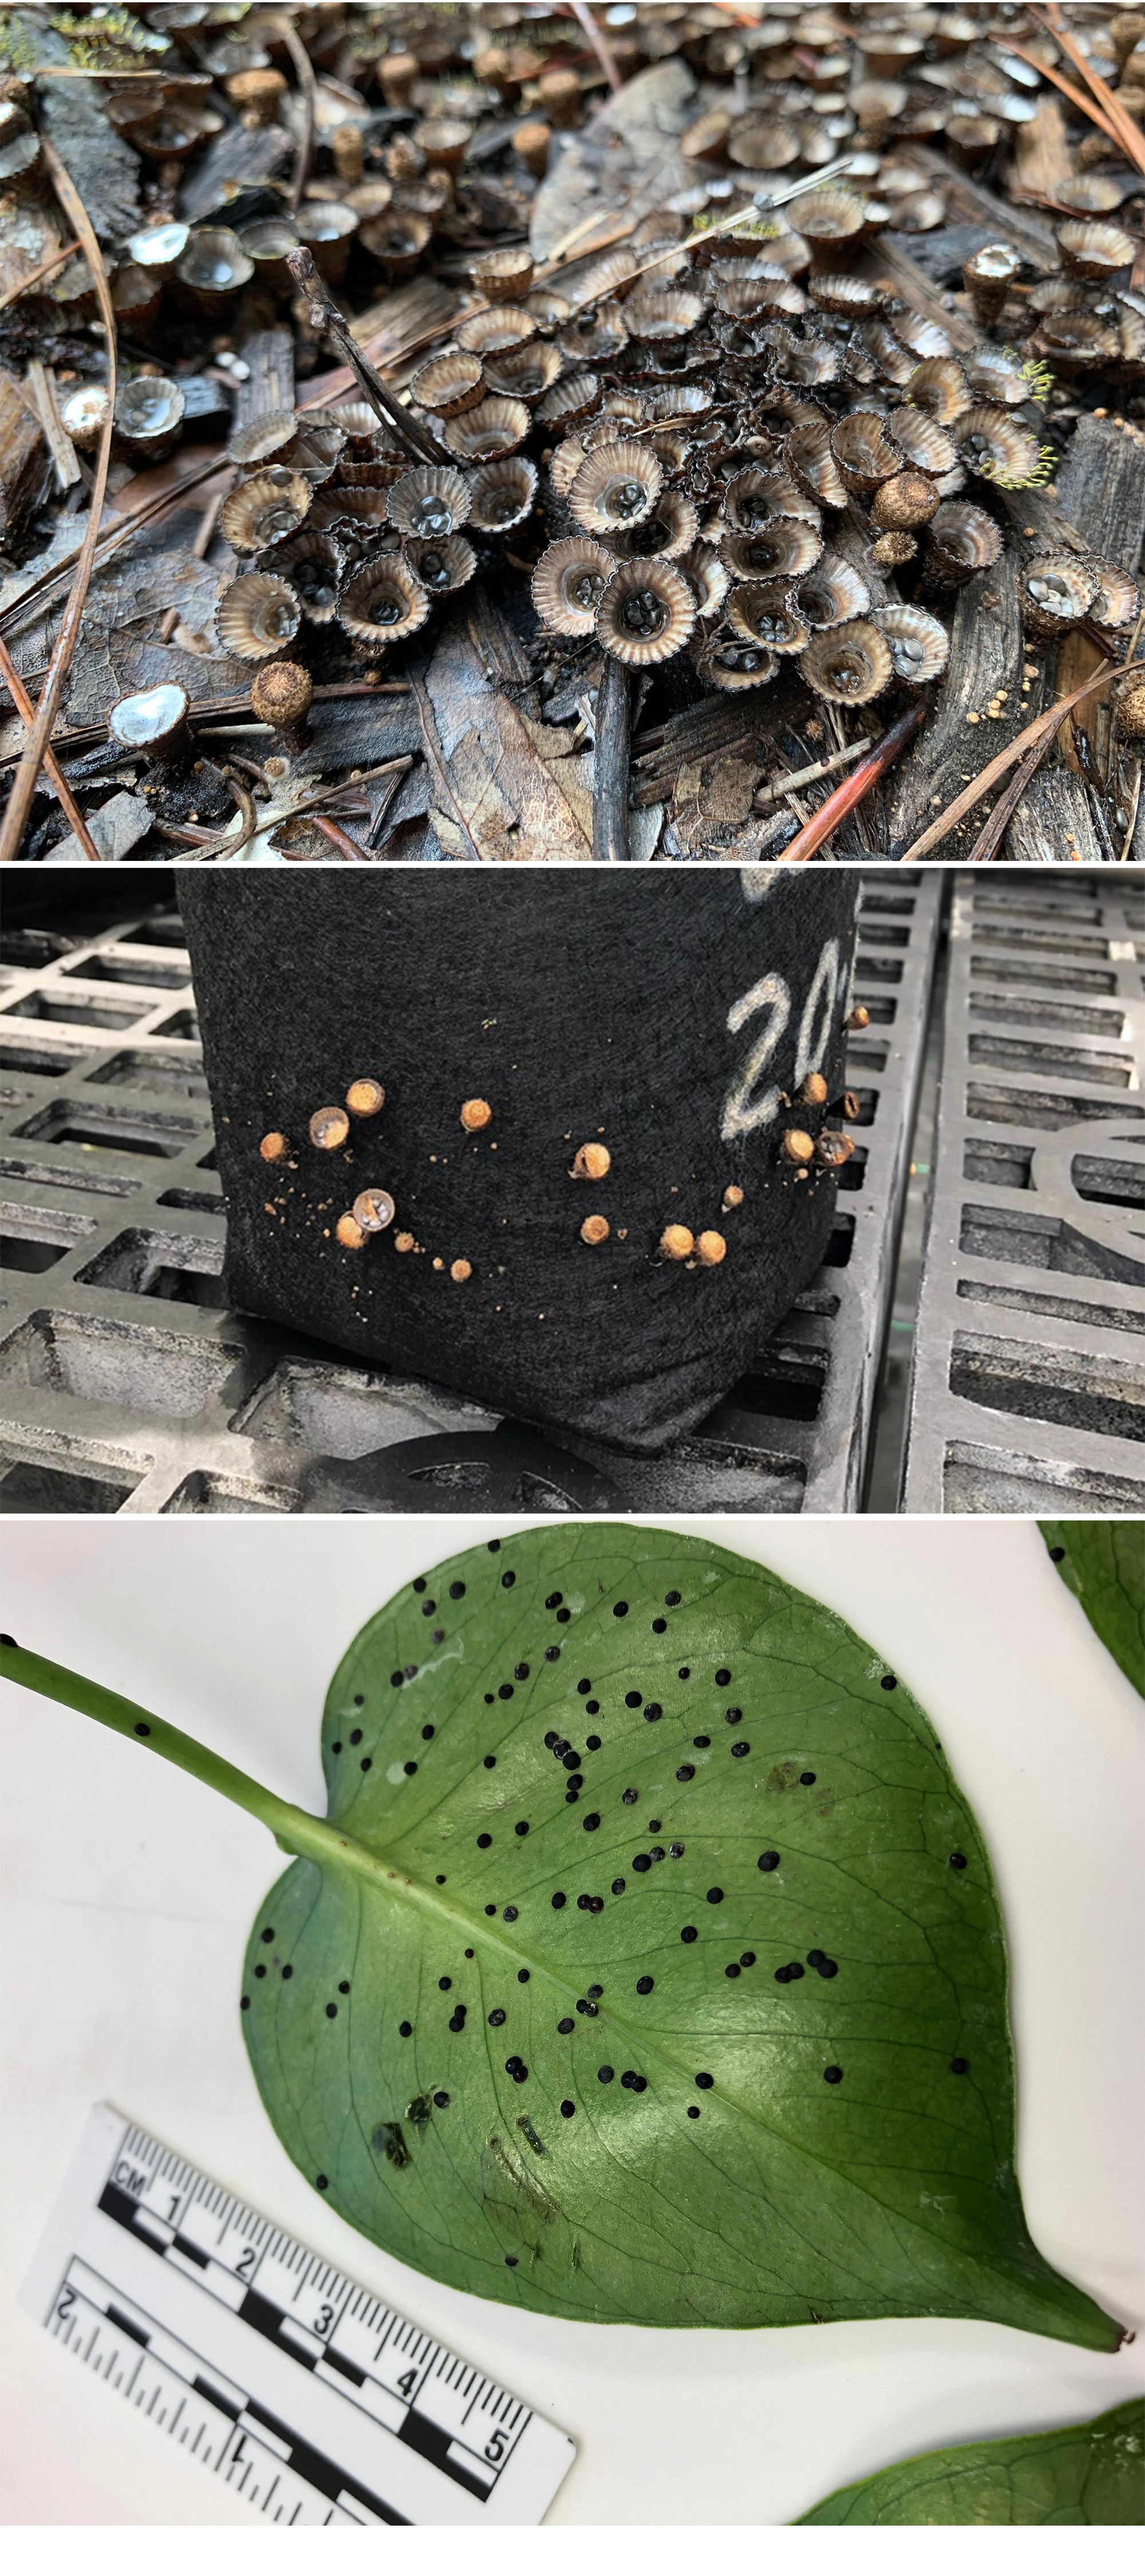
pixel 126 1385
pixel 1029 1375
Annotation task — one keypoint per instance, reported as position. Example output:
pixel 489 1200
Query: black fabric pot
pixel 670 1018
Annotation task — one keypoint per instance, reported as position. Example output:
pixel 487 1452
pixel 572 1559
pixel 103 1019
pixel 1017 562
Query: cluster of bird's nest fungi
pixel 727 436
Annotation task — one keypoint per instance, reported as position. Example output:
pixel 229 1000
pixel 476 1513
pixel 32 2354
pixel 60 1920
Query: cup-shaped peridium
pixel 449 384
pixel 317 450
pixel 780 550
pixel 706 576
pixel 875 343
pixel 498 426
pixel 742 296
pixel 504 491
pixel 381 604
pixel 549 310
pixel 373 1211
pixel 616 487
pixel 396 240
pixel 152 720
pixel 443 141
pixel 765 143
pixel 766 612
pixel 962 540
pixel 596 339
pixel 679 402
pixel 269 243
pixel 1057 591
pixel 666 314
pixel 1058 295
pixel 815 362
pixel 149 412
pixel 1093 194
pixel 568 584
pixel 571 399
pixel 267 436
pixel 854 298
pixel 673 526
pixel 920 645
pixel 269 505
pixel 1117 600
pixel 993 444
pixel 1076 343
pixel 808 453
pixel 760 493
pixel 672 446
pixel 327 227
pixel 525 373
pixel 158 246
pixel 1095 250
pixel 865 453
pixel 987 277
pixel 344 506
pixel 313 563
pixel 921 336
pixel 214 265
pixel 564 466
pixel 848 664
pixel 429 501
pixel 604 277
pixel 830 217
pixel 256 615
pixel 832 592
pixel 922 212
pixel 84 414
pixel 923 440
pixel 939 387
pixel 971 139
pixel 992 376
pixel 503 275
pixel 440 563
pixel 359 422
pixel 728 663
pixel 647 612
pixel 501 326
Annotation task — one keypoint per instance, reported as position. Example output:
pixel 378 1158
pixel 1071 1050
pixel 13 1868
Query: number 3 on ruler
pixel 743 1112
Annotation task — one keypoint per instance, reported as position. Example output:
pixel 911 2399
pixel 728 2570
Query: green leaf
pixel 743 1927
pixel 1103 1564
pixel 1084 2473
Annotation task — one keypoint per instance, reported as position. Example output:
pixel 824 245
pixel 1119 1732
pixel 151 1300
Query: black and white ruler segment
pixel 303 2391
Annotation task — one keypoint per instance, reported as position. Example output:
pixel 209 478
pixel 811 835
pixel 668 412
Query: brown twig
pixel 34 274
pixel 989 840
pixel 997 768
pixel 776 787
pixel 326 316
pixel 610 765
pixel 307 90
pixel 854 788
pixel 28 770
pixel 1129 134
pixel 341 840
pixel 1085 106
pixel 599 42
pixel 52 770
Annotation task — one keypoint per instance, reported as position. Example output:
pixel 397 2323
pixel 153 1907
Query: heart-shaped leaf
pixel 685 2001
pixel 1083 2473
pixel 1103 1563
pixel 650 1968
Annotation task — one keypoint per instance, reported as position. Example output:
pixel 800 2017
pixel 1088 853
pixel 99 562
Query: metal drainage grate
pixel 1029 1377
pixel 126 1385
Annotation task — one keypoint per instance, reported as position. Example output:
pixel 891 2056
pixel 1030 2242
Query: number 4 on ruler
pixel 314 2400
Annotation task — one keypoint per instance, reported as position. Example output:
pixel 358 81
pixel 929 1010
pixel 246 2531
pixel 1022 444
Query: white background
pixel 128 1893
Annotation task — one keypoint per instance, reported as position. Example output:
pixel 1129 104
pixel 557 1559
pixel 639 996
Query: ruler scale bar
pixel 311 2397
